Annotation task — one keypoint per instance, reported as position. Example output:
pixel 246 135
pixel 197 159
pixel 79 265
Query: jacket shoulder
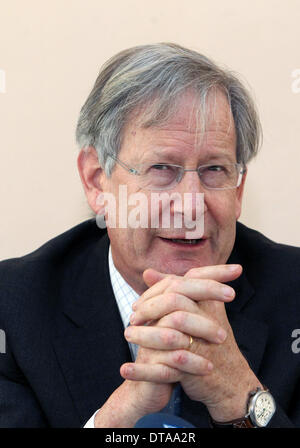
pixel 256 243
pixel 37 275
pixel 262 255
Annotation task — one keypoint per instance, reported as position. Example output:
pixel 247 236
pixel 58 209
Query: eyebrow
pixel 220 157
pixel 161 154
pixel 170 156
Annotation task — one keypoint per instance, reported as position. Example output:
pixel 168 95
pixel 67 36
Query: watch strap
pixel 243 422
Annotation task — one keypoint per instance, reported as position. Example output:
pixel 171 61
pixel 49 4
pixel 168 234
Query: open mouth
pixel 184 241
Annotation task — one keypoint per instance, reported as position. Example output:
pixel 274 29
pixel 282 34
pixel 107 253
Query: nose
pixel 191 181
pixel 192 191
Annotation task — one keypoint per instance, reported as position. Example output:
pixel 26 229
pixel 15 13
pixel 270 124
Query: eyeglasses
pixel 165 176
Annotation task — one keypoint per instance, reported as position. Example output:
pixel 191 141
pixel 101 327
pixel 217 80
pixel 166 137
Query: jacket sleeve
pixel 280 419
pixel 19 407
pixel 290 418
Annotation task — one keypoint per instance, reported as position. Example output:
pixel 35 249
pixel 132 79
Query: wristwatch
pixel 260 409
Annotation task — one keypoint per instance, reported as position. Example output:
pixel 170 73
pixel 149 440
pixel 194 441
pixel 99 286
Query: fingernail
pixel 132 317
pixel 228 292
pixel 128 369
pixel 134 305
pixel 128 332
pixel 221 334
pixel 210 366
pixel 233 267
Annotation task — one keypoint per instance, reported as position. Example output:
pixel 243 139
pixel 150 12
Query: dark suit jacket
pixel 64 334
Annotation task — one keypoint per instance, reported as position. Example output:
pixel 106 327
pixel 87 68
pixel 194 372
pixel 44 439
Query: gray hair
pixel 160 74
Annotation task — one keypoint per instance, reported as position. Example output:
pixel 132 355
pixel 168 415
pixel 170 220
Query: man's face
pixel 136 249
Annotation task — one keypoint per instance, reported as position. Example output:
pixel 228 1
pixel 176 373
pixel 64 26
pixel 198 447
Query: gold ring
pixel 191 342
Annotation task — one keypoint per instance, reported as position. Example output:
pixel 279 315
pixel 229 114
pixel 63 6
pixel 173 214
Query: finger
pixel 195 325
pixel 151 276
pixel 202 289
pixel 185 361
pixel 156 373
pixel 195 289
pixel 220 273
pixel 157 338
pixel 159 306
pixel 157 288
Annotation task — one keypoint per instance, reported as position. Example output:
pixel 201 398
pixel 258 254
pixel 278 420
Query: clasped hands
pixel 211 370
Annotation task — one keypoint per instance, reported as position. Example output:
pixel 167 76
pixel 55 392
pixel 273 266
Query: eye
pixel 216 168
pixel 162 171
pixel 160 167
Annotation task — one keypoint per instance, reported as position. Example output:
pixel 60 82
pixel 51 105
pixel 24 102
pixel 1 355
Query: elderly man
pixel 211 316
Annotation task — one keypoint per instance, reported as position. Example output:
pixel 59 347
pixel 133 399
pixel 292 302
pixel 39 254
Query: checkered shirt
pixel 124 295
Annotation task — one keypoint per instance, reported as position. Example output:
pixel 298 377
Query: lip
pixel 180 237
pixel 171 243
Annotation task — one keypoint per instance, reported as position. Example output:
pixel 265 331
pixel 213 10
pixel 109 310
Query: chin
pixel 179 267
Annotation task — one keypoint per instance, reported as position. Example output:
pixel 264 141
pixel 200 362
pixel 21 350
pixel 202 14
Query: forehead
pixel 188 124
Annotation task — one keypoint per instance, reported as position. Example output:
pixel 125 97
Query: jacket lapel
pixel 89 340
pixel 250 332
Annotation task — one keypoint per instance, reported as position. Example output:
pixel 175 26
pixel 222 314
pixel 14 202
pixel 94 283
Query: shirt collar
pixel 124 293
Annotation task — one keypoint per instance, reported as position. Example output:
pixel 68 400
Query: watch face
pixel 264 408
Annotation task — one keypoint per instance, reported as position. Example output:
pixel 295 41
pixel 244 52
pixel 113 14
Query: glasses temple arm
pixel 126 167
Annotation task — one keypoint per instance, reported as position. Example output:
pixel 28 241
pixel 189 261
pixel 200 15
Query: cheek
pixel 238 208
pixel 132 248
pixel 222 207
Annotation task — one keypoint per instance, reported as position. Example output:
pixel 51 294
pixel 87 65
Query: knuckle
pixel 180 357
pixel 169 280
pixel 178 318
pixel 165 282
pixel 175 283
pixel 142 312
pixel 171 298
pixel 210 286
pixel 192 273
pixel 165 373
pixel 168 337
pixel 177 302
pixel 147 309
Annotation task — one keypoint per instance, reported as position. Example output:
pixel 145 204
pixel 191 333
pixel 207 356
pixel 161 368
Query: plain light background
pixel 50 55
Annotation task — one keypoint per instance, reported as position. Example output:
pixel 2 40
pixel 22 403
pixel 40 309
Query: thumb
pixel 151 276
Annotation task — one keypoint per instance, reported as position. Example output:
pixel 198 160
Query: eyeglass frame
pixel 134 171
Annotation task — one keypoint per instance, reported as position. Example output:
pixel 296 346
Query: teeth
pixel 185 241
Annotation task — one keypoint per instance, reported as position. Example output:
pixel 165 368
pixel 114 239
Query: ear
pixel 92 177
pixel 239 196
